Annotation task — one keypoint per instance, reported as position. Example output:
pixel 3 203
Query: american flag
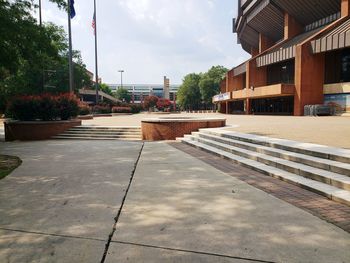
pixel 94 23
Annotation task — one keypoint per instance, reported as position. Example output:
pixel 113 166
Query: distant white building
pixel 139 92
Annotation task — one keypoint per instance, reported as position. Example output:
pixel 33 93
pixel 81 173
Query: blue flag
pixel 72 10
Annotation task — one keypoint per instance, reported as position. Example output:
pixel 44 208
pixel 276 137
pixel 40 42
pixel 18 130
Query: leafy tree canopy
pixel 33 58
pixel 189 96
pixel 123 94
pixel 106 89
pixel 210 83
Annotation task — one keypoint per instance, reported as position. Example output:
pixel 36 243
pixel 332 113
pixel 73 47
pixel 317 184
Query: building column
pixel 264 43
pixel 309 78
pixel 345 8
pixel 227 107
pixel 292 27
pixel 254 52
pixel 248 106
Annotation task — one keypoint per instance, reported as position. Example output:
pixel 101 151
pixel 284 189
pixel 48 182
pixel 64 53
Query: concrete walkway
pixel 62 203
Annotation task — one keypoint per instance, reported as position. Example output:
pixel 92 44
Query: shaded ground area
pixel 60 204
pixel 331 131
pixel 8 164
pixel 76 201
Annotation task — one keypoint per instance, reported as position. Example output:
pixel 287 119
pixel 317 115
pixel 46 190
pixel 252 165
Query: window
pixel 337 66
pixel 345 66
pixel 281 73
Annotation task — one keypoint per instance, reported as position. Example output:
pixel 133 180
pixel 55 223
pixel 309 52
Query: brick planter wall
pixel 168 130
pixel 36 130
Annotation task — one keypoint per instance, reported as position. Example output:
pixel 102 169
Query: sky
pixel 149 39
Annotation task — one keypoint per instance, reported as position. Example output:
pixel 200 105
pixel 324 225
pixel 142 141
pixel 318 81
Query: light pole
pixel 121 77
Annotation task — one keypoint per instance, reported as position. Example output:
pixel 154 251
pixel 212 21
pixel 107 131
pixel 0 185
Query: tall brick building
pixel 300 55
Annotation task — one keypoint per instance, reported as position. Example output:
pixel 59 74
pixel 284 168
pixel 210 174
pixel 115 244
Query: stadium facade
pixel 300 55
pixel 139 92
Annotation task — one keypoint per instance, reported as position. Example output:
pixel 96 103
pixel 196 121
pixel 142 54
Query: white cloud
pixel 152 38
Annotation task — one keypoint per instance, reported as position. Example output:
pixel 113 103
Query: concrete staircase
pixel 101 133
pixel 321 169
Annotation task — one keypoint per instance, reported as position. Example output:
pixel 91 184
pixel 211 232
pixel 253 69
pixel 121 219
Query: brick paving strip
pixel 320 206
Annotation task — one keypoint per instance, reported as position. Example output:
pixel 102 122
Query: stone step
pixel 61 137
pixel 337 180
pixel 107 128
pixel 316 162
pixel 104 130
pixel 320 151
pixel 99 135
pixel 329 191
pixel 70 131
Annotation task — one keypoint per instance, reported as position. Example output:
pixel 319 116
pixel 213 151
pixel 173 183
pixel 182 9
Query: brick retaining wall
pixel 156 131
pixel 36 130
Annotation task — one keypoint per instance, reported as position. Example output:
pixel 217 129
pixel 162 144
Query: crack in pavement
pixel 50 234
pixel 116 219
pixel 191 251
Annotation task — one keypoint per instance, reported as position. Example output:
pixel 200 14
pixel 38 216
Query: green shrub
pixel 136 108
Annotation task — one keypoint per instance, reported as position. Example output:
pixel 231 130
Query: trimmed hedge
pixel 45 107
pixel 102 109
pixel 121 109
pixel 84 109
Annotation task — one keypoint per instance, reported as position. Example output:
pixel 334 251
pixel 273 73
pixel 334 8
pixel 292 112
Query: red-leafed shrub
pixel 48 110
pixel 67 106
pixel 44 107
pixel 117 109
pixel 150 102
pixel 84 108
pixel 102 109
pixel 163 104
pixel 24 108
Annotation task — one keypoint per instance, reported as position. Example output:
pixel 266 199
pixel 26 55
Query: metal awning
pixel 284 51
pixel 337 38
pixel 241 69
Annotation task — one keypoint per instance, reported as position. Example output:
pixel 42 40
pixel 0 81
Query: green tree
pixel 188 96
pixel 210 83
pixel 33 58
pixel 123 94
pixel 106 89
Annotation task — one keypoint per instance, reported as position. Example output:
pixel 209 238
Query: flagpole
pixel 96 65
pixel 40 18
pixel 70 49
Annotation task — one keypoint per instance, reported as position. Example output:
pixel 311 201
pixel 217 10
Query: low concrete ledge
pixel 36 130
pixel 169 128
pixel 85 117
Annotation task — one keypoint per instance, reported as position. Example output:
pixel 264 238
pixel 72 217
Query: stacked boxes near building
pixel 300 55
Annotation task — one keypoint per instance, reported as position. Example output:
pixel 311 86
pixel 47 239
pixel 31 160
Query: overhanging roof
pixel 284 51
pixel 337 38
pixel 308 11
pixel 267 19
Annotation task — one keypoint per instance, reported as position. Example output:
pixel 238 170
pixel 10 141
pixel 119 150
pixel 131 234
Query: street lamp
pixel 121 77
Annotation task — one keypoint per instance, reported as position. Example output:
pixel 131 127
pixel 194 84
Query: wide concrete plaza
pixel 331 131
pixel 103 201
